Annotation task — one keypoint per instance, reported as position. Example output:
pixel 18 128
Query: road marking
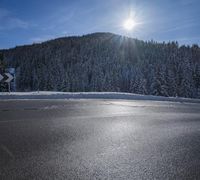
pixel 22 109
pixel 4 148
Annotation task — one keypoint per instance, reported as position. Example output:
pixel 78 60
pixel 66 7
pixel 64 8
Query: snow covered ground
pixel 90 95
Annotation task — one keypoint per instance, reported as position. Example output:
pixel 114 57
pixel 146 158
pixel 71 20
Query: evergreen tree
pixel 106 62
pixel 3 86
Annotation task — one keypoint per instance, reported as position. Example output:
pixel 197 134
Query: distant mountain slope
pixel 107 62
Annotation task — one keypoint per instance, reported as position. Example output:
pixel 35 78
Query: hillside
pixel 107 62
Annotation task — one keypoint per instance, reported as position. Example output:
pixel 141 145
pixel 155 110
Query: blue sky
pixel 29 21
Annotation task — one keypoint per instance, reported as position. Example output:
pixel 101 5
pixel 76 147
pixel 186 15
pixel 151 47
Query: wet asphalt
pixel 99 139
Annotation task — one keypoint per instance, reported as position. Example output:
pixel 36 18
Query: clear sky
pixel 28 21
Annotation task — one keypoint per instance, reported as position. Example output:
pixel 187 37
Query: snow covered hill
pixel 90 95
pixel 106 62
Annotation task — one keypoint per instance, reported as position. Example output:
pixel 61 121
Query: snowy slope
pixel 90 95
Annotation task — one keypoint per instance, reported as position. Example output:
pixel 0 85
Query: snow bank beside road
pixel 90 95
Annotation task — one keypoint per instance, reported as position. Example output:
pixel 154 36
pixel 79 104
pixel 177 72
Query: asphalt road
pixel 99 139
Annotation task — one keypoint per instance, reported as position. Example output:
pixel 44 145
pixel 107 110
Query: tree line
pixel 107 62
pixel 3 85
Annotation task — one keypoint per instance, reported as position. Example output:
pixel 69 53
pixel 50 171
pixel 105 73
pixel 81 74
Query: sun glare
pixel 129 24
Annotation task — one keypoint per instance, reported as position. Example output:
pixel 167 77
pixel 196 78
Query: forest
pixel 107 62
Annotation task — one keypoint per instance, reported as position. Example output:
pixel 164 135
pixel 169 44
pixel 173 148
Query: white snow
pixel 90 95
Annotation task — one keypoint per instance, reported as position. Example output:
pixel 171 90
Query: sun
pixel 129 24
